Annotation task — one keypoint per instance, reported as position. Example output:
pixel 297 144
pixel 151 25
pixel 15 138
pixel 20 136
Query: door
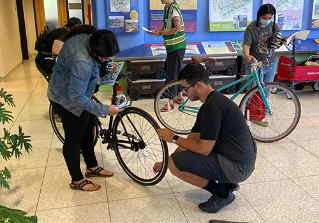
pixel 52 13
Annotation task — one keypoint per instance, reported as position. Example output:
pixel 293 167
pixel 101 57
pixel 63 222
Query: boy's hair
pixel 267 9
pixel 194 72
pixel 73 22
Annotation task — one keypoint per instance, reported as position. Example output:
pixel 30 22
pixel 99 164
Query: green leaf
pixel 4 150
pixel 14 215
pixel 4 114
pixel 3 181
pixel 7 97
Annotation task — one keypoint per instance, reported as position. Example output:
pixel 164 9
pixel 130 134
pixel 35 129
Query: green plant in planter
pixel 11 145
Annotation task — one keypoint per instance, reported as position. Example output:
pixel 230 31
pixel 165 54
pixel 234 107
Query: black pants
pixel 78 135
pixel 174 65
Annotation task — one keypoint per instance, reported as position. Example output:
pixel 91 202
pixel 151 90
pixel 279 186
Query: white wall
pixel 10 46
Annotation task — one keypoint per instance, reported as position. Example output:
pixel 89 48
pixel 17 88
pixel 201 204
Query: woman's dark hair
pixel 267 9
pixel 73 22
pixel 194 72
pixel 104 43
pixel 86 29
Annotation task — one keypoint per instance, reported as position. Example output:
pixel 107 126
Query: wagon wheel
pixel 210 70
pixel 243 69
pixel 135 75
pixel 232 70
pixel 315 86
pixel 160 73
pixel 134 95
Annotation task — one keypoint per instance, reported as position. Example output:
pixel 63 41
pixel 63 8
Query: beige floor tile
pixel 38 129
pixel 264 171
pixel 238 211
pixel 38 100
pixel 37 157
pixel 309 184
pixel 311 146
pixel 34 113
pixel 121 186
pixel 290 159
pixel 147 209
pixel 97 213
pixel 281 201
pixel 56 192
pixel 25 187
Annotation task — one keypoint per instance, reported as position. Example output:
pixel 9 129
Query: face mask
pixel 264 22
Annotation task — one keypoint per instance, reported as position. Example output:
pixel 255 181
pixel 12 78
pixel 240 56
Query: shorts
pixel 207 167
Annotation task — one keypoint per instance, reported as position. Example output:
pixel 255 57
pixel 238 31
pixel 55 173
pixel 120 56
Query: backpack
pixel 40 42
pixel 256 108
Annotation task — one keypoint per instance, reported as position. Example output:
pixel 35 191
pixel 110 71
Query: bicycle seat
pixel 198 59
pixel 123 74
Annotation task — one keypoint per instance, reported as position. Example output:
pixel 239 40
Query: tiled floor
pixel 283 188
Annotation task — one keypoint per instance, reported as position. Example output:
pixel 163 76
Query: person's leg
pixel 196 170
pixel 74 128
pixel 87 146
pixel 269 76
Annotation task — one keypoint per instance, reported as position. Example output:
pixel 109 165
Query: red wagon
pixel 292 73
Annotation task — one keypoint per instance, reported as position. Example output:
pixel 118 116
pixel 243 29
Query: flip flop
pixel 165 108
pixel 96 173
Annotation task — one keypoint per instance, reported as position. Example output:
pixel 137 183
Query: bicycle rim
pixel 145 148
pixel 285 108
pixel 58 127
pixel 180 119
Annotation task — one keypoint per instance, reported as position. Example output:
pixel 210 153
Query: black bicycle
pixel 132 134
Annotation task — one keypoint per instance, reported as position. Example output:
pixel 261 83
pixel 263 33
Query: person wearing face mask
pixel 257 45
pixel 82 60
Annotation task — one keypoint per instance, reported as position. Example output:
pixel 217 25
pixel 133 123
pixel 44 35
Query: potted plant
pixel 11 145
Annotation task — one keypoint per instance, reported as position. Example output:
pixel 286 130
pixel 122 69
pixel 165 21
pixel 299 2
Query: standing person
pixel 53 45
pixel 175 43
pixel 220 151
pixel 258 45
pixel 82 60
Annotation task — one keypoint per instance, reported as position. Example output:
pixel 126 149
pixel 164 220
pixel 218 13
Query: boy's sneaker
pixel 231 186
pixel 215 203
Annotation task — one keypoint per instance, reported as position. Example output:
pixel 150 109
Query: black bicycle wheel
pixel 285 108
pixel 139 147
pixel 58 128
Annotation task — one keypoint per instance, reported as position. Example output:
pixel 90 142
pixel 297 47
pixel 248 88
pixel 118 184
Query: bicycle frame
pixel 251 77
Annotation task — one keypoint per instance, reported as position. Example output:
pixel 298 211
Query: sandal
pixel 165 108
pixel 96 173
pixel 80 186
pixel 261 123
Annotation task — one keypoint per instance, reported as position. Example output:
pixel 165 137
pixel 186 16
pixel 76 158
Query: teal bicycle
pixel 280 111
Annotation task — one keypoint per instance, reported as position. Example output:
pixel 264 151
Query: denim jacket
pixel 75 76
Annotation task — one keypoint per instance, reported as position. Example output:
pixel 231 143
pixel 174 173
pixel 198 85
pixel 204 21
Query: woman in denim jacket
pixel 75 75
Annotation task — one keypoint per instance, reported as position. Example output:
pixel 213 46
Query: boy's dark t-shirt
pixel 220 119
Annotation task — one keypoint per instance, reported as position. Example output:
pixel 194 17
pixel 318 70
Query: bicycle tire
pixel 177 119
pixel 286 110
pixel 145 146
pixel 58 128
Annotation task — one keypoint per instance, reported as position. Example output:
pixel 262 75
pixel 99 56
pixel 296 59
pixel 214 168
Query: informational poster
pixel 315 15
pixel 230 15
pixel 111 78
pixel 289 13
pixel 160 50
pixel 223 47
pixel 123 16
pixel 188 9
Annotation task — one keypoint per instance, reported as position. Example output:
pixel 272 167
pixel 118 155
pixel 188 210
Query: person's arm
pixel 249 58
pixel 56 47
pixel 177 27
pixel 196 145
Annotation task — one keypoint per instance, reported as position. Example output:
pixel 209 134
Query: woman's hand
pixel 157 167
pixel 114 110
pixel 250 58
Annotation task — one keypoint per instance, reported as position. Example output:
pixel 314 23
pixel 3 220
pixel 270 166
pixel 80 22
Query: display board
pixel 122 16
pixel 315 15
pixel 289 13
pixel 230 15
pixel 188 9
pixel 160 50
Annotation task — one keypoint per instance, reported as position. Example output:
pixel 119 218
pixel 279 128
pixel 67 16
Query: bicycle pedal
pixel 111 147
